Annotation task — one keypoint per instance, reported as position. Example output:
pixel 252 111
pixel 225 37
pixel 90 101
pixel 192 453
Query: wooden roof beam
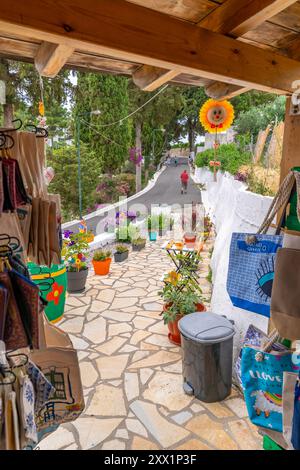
pixel 222 91
pixel 148 78
pixel 234 18
pixel 110 28
pixel 50 58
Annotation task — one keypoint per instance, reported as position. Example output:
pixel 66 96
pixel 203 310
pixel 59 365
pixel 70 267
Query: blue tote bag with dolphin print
pixel 251 271
pixel 262 379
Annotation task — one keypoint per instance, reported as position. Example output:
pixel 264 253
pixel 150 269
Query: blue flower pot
pixel 152 236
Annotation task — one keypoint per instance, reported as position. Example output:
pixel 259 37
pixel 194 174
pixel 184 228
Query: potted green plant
pixel 180 298
pixel 138 243
pixel 153 224
pixel 122 235
pixel 164 223
pixel 121 253
pixel 101 262
pixel 74 252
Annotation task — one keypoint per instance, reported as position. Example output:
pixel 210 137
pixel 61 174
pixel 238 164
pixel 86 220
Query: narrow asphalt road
pixel 167 191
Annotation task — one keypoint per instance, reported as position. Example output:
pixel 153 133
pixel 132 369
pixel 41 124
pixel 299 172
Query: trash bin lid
pixel 206 327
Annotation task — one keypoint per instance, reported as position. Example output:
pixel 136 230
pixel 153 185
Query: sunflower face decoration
pixel 216 115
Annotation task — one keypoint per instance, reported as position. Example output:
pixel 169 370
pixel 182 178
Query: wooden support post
pixel 291 137
pixel 290 151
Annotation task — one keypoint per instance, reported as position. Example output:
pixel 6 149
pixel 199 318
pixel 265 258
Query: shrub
pixel 111 187
pixel 230 156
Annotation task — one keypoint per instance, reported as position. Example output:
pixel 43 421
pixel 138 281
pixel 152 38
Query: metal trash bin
pixel 207 344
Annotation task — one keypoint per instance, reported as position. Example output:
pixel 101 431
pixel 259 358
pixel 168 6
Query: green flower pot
pixel 53 285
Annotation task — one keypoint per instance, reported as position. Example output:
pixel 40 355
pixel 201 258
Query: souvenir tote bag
pixel 251 271
pixel 60 367
pixel 285 305
pixel 262 378
pixel 252 257
pixel 296 418
pixel 289 382
pixel 58 361
pixel 253 337
pixel 12 235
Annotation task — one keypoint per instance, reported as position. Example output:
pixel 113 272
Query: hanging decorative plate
pixel 216 115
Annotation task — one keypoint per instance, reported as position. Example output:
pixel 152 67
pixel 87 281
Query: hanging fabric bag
pixel 289 382
pixel 285 304
pixel 262 378
pixel 1 188
pixel 4 295
pixel 251 271
pixel 58 361
pixel 252 257
pixel 296 418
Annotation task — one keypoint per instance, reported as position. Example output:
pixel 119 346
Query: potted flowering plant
pixel 75 252
pixel 101 262
pixel 181 298
pixel 121 253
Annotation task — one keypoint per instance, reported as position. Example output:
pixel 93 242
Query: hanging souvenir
pixel 216 115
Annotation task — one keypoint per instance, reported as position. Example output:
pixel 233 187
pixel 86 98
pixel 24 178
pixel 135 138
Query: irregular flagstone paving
pixel 132 374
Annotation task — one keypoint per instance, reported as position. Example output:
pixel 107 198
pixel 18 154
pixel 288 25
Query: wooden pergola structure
pixel 227 46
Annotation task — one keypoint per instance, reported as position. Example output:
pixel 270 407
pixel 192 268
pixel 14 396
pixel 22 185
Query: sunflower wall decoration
pixel 216 115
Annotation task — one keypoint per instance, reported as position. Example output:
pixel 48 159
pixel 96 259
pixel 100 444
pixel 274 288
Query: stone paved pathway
pixel 131 373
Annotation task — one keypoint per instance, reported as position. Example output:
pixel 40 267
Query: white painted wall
pixel 232 209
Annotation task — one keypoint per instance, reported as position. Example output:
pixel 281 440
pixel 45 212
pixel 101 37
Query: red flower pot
pixel 174 333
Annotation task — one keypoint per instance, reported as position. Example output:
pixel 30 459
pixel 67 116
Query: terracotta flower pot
pixel 101 268
pixel 174 333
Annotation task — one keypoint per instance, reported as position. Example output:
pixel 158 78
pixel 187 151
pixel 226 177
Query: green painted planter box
pixel 53 286
pixel 269 444
pixel 292 222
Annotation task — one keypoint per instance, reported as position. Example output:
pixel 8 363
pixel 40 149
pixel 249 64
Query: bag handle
pixel 281 199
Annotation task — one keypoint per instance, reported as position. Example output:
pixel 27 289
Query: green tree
pixel 251 99
pixel 188 120
pixel 64 162
pixel 108 94
pixel 23 94
pixel 257 118
pixel 160 114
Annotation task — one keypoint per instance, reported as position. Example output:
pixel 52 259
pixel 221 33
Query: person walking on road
pixel 184 181
pixel 176 161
